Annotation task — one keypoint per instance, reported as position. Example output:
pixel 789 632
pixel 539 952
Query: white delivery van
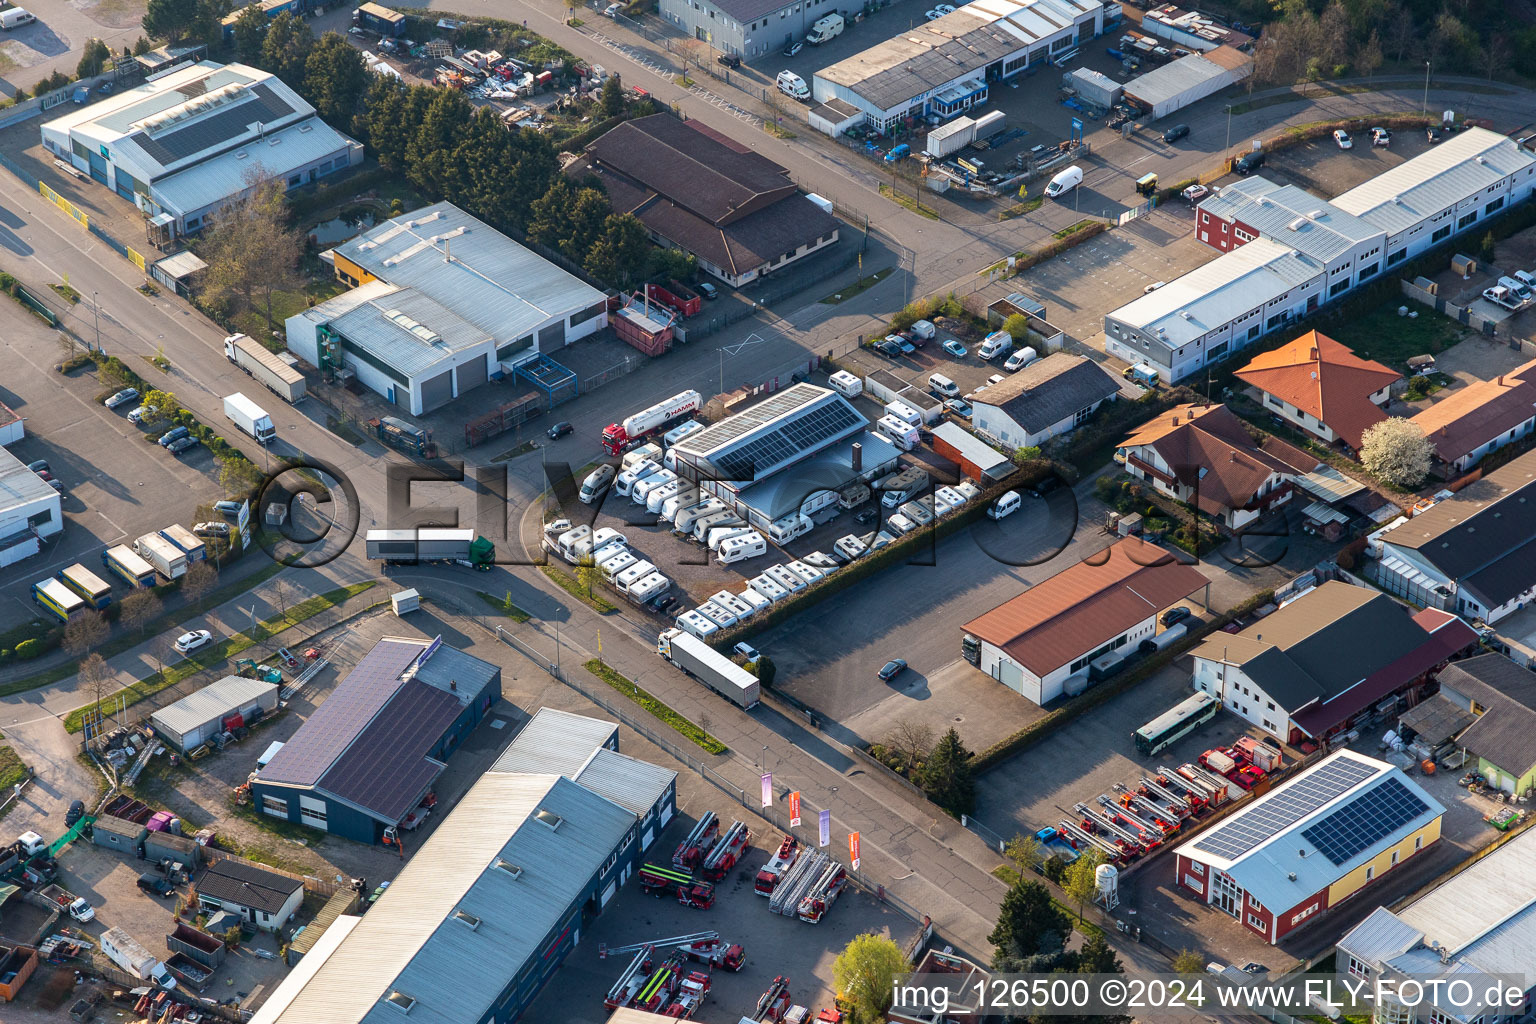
pixel 641 492
pixel 942 385
pixel 1518 287
pixel 634 474
pixel 634 455
pixel 1006 505
pixel 657 498
pixel 702 526
pixel 720 534
pixel 899 432
pixel 792 85
pixel 697 624
pixel 768 587
pixel 15 17
pixel 742 547
pixel 995 344
pixel 786 578
pixel 1526 278
pixel 924 329
pixel 1020 359
pixel 688 516
pixel 846 384
pixel 825 30
pixel 796 524
pixel 595 484
pixel 1064 182
pixel 681 431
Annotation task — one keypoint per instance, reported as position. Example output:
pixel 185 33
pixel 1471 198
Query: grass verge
pixel 225 650
pixel 576 590
pixel 1072 229
pixel 910 202
pixel 505 606
pixel 778 131
pixel 1010 876
pixel 862 284
pixel 512 453
pixel 12 771
pixel 1020 209
pixel 628 688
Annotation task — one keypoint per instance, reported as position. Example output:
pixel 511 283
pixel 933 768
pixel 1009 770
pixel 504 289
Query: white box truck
pixel 825 29
pixel 127 952
pixel 708 666
pixel 168 560
pixel 265 366
pixel 249 417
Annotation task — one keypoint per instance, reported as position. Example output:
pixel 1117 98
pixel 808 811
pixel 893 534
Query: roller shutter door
pixel 552 338
pixel 471 374
pixel 437 391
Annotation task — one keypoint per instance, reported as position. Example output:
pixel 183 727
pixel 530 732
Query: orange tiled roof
pixel 1212 439
pixel 1479 412
pixel 1323 379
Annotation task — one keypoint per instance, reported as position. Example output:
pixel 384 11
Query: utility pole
pixel 1229 130
pixel 1424 109
pixel 95 302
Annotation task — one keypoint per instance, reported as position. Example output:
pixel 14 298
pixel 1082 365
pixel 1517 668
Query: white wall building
pixel 947 66
pixel 1049 397
pixel 29 510
pixel 444 302
pixel 183 146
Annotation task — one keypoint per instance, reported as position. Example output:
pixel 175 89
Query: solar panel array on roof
pixel 386 768
pixel 216 128
pixel 727 430
pixel 795 436
pixel 1364 821
pixel 1286 807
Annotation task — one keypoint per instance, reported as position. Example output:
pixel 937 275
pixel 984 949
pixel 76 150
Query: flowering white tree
pixel 1397 451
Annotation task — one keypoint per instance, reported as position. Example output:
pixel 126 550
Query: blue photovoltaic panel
pixel 1285 808
pixel 1365 821
pixel 345 713
pixel 386 769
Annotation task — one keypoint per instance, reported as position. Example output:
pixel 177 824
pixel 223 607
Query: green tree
pixel 589 217
pixel 1080 880
pixel 486 155
pixel 1097 956
pixel 431 155
pixel 1017 327
pixel 168 19
pixel 1023 852
pixel 1487 250
pixel 620 254
pixel 93 59
pixel 946 775
pixel 1189 962
pixel 532 170
pixel 250 33
pixel 390 116
pixel 863 972
pixel 207 25
pixel 672 264
pixel 1028 923
pixel 549 216
pixel 335 78
pixel 612 100
pixel 1397 451
pixel 142 45
pixel 285 50
pixel 764 669
pixel 239 478
pixel 158 406
pixel 589 576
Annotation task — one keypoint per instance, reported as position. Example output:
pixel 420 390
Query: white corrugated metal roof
pixel 1213 295
pixel 19 489
pixel 413 942
pixel 471 268
pixel 1176 78
pixel 628 782
pixel 409 331
pixel 1292 217
pixel 1466 907
pixel 276 155
pixel 556 741
pixel 213 701
pixel 1437 179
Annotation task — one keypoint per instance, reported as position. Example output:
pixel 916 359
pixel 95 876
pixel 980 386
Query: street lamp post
pixel 96 303
pixel 1425 108
pixel 1229 129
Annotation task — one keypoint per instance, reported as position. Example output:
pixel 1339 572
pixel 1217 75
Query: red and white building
pixel 1309 844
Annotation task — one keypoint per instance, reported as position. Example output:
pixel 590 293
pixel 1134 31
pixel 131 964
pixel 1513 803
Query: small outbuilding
pixel 259 897
pixel 976 459
pixel 162 846
pixel 118 834
pixel 228 703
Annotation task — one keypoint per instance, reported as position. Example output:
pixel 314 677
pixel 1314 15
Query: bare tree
pixel 1333 38
pixel 280 596
pixel 1368 58
pixel 198 582
pixel 696 50
pixel 96 679
pixel 1401 31
pixel 140 608
pixel 160 650
pixel 84 633
pixel 912 740
pixel 252 252
pixel 1495 56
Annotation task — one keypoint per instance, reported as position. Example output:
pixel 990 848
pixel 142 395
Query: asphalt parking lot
pixel 115 482
pixel 1324 169
pixel 775 946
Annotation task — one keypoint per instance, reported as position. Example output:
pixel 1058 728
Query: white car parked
pixel 189 642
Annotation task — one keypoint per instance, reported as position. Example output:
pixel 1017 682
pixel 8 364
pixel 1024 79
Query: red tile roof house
pixel 1480 418
pixel 1322 387
pixel 1203 455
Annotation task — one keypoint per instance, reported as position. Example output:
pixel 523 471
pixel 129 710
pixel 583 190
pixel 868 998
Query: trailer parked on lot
pixel 169 560
pixel 708 666
pixel 265 366
pixel 124 561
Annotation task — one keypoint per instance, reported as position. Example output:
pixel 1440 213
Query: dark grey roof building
pixel 1048 397
pixel 264 898
pixel 1501 698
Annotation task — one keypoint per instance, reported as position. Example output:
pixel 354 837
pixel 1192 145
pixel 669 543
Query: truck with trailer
pixel 619 437
pixel 169 560
pixel 265 366
pixel 404 437
pixel 249 417
pixel 124 561
pixel 190 543
pixel 430 544
pixel 701 661
pixel 125 951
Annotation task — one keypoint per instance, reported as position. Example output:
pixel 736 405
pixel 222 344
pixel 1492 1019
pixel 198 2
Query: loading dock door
pixel 437 391
pixel 312 812
pixel 471 374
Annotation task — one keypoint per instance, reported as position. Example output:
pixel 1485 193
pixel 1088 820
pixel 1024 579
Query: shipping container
pixel 949 138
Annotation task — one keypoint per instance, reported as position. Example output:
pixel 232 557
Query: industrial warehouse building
pixel 183 146
pixel 371 752
pixel 1047 398
pixel 1479 922
pixel 1481 417
pixel 789 453
pixel 228 703
pixel 1176 85
pixel 1301 674
pixel 29 510
pixel 696 190
pixel 747 28
pixel 442 303
pixel 1287 252
pixel 949 65
pixel 1050 634
pixel 1310 844
pixel 492 903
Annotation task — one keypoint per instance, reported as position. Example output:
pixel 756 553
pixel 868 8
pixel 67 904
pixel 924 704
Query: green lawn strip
pixel 844 294
pixel 225 650
pixel 1384 336
pixel 505 606
pixel 12 771
pixel 628 688
pixel 1020 209
pixel 576 590
pixel 127 641
pixel 902 199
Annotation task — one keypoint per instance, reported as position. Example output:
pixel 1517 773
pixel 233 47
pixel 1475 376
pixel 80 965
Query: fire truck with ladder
pixel 728 850
pixel 660 881
pixel 706 948
pixel 697 843
pixel 778 864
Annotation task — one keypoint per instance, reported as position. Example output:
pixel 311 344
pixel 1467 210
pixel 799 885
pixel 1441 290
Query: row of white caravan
pixel 608 550
pixel 774 584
